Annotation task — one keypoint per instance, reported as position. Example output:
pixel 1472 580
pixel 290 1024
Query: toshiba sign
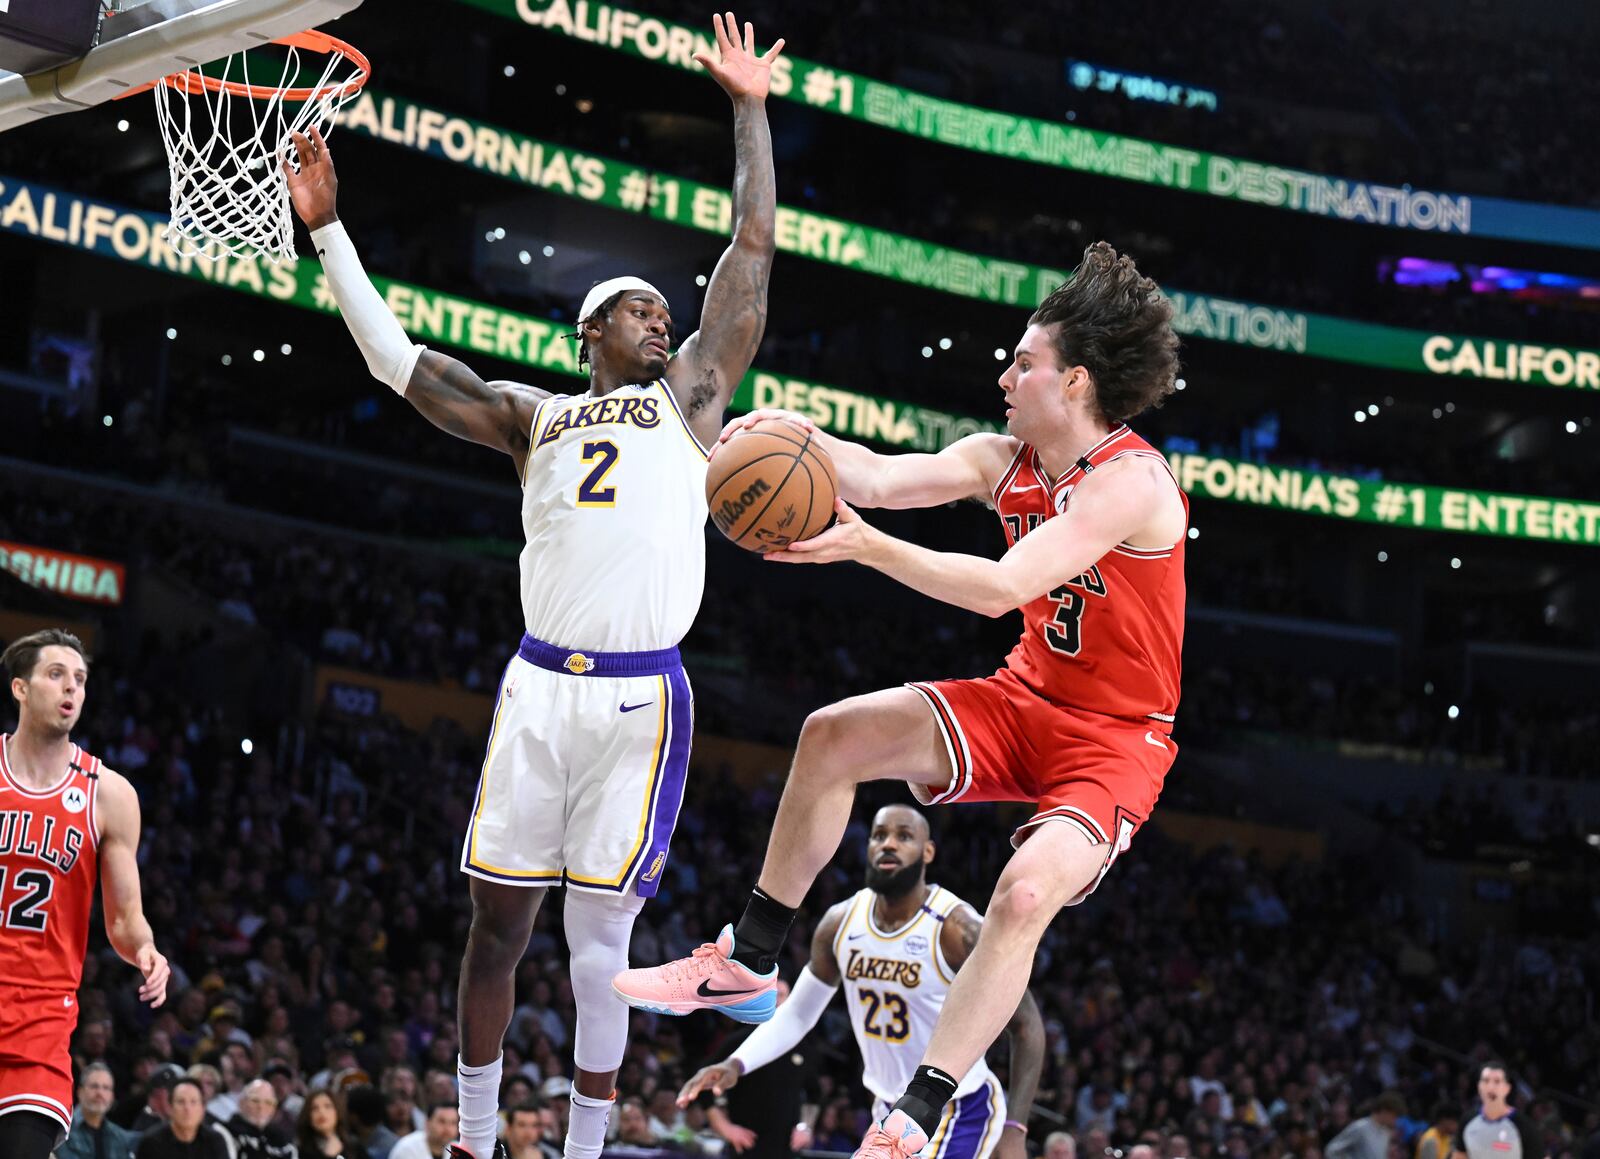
pixel 78 577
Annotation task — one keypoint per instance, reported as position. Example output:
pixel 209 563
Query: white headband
pixel 604 290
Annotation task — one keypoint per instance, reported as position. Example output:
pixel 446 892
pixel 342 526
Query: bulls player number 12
pixel 66 821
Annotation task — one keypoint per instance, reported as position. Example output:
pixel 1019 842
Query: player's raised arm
pixel 445 391
pixel 1120 502
pixel 126 926
pixel 969 468
pixel 712 362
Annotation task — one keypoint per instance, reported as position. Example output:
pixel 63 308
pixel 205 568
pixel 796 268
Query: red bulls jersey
pixel 1110 641
pixel 49 861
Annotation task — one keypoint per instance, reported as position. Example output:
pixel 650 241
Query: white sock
pixel 586 1126
pixel 480 1106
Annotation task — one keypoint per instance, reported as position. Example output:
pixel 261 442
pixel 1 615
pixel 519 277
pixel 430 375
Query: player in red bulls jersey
pixel 65 820
pixel 1077 722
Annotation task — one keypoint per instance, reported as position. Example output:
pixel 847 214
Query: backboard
pixel 144 40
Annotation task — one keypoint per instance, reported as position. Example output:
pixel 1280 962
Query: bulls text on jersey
pixel 23 834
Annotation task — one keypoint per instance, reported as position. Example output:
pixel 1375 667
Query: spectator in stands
pixel 525 1132
pixel 1369 1137
pixel 286 1086
pixel 93 1136
pixel 158 1105
pixel 1060 1145
pixel 321 1131
pixel 210 1080
pixel 251 1127
pixel 438 1131
pixel 400 1090
pixel 1439 1139
pixel 364 1111
pixel 186 1136
pixel 633 1124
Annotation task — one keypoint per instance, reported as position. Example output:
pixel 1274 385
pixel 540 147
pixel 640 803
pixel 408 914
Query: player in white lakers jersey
pixel 590 741
pixel 896 945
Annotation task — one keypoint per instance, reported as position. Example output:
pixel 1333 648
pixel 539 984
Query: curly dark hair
pixel 1115 322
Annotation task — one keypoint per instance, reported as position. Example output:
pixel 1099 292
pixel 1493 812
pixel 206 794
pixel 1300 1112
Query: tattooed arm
pixel 449 395
pixel 711 363
pixel 1024 1033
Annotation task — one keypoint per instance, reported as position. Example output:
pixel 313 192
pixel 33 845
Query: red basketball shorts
pixel 36 1052
pixel 1100 774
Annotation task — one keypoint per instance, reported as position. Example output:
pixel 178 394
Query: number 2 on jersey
pixel 603 454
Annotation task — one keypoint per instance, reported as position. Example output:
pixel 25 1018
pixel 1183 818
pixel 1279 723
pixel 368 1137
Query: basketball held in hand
pixel 771 485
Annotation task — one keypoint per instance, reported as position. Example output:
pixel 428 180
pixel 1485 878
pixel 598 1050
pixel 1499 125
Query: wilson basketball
pixel 771 485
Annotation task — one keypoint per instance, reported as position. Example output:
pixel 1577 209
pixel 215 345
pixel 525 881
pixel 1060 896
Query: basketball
pixel 770 486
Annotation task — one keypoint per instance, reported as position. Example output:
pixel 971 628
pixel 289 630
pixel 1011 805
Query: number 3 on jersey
pixel 1063 632
pixel 592 492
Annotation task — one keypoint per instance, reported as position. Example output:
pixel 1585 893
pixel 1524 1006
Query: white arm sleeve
pixel 807 1001
pixel 390 355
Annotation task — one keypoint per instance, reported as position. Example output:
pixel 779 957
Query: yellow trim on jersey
pixel 872 923
pixel 941 965
pixel 483 797
pixel 533 432
pixel 844 926
pixel 673 403
pixel 658 766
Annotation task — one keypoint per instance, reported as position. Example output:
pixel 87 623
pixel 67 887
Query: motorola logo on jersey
pixel 74 800
pixel 644 413
pixel 24 834
pixel 907 974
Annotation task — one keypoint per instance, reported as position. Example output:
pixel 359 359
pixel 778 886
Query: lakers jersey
pixel 614 509
pixel 895 982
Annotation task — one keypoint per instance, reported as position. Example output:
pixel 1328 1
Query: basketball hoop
pixel 228 190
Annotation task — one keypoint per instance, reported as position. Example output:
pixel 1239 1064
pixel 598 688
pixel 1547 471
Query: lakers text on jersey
pixel 895 984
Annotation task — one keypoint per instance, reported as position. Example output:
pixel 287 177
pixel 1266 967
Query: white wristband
pixel 390 355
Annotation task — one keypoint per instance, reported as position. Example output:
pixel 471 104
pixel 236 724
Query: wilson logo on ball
pixel 728 514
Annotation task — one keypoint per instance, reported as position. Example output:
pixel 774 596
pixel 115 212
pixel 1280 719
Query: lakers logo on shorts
pixel 578 664
pixel 655 867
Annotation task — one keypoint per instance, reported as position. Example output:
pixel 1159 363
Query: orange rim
pixel 193 83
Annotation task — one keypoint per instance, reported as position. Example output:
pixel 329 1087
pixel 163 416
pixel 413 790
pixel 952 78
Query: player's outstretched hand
pixel 746 421
pixel 738 69
pixel 718 1077
pixel 849 538
pixel 314 190
pixel 153 965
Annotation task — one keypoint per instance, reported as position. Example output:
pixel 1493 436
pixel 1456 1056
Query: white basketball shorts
pixel 584 772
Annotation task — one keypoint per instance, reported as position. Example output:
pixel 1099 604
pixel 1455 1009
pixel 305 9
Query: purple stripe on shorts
pixel 670 782
pixel 970 1125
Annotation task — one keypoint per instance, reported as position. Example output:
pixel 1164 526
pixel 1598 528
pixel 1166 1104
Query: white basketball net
pixel 228 190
